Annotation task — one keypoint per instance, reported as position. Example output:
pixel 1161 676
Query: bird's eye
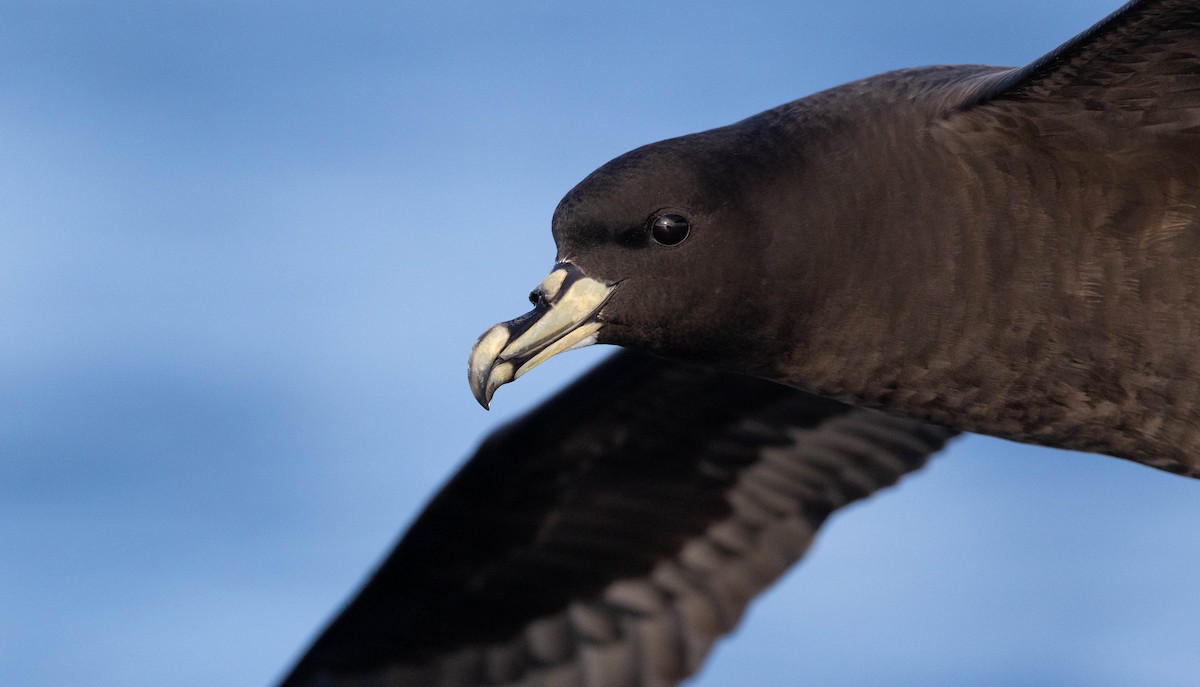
pixel 670 230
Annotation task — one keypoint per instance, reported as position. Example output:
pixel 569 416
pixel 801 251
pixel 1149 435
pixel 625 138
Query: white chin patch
pixel 588 341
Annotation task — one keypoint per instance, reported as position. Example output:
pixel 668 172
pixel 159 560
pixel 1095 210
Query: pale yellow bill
pixel 564 319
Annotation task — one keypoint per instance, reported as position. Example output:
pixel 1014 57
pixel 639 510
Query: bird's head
pixel 661 249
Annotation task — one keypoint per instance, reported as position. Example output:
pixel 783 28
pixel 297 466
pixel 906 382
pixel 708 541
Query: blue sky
pixel 246 247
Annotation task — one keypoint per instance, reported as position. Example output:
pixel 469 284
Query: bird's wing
pixel 1144 56
pixel 611 535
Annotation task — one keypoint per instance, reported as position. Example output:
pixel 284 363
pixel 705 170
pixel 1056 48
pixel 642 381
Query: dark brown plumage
pixel 1008 251
pixel 644 505
pixel 1026 264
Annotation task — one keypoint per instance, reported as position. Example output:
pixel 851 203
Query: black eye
pixel 670 230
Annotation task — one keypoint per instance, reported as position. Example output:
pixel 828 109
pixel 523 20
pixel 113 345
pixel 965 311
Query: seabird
pixel 813 300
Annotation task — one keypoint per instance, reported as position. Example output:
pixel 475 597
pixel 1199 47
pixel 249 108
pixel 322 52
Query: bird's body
pixel 1008 251
pixel 1043 267
pixel 1043 283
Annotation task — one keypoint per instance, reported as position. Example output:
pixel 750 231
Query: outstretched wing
pixel 1144 57
pixel 610 536
pixel 1145 54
